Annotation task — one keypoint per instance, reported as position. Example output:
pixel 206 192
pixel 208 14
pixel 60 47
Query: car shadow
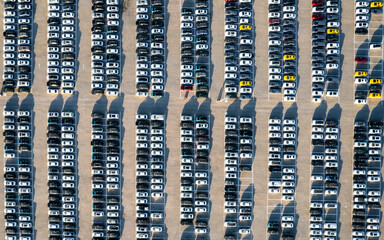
pixel 275 216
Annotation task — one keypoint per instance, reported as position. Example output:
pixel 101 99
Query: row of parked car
pixel 195 48
pixel 367 85
pixel 61 46
pixel 106 175
pixel 367 179
pixel 324 180
pixel 239 135
pixel 106 47
pixel 195 171
pixel 239 49
pixel 18 175
pixel 18 47
pixel 282 167
pixel 282 39
pixel 364 9
pixel 62 175
pixel 282 141
pixel 150 175
pixel 150 48
pixel 325 48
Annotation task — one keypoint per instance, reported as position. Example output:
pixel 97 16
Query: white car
pixel 362 18
pixel 332 10
pixel 362 11
pixel 245 14
pixel 274 70
pixel 274 42
pixel 360 4
pixel 362 25
pixel 289 16
pixel 246 41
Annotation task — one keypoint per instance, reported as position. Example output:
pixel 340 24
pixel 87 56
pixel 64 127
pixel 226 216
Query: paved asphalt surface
pixel 173 105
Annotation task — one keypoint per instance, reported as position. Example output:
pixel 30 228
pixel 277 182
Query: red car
pixel 361 59
pixel 317 3
pixel 317 16
pixel 274 21
pixel 231 0
pixel 186 88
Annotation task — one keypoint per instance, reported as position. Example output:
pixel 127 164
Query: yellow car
pixel 361 74
pixel 375 81
pixel 376 4
pixel 289 78
pixel 245 27
pixel 375 95
pixel 245 83
pixel 289 57
pixel 332 31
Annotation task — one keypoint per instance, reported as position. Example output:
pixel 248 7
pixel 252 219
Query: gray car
pixel 318 36
pixel 318 43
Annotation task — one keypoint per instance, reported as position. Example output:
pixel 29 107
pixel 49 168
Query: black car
pixel 361 31
pixel 274 8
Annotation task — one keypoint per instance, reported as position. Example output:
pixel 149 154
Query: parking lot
pixel 127 104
